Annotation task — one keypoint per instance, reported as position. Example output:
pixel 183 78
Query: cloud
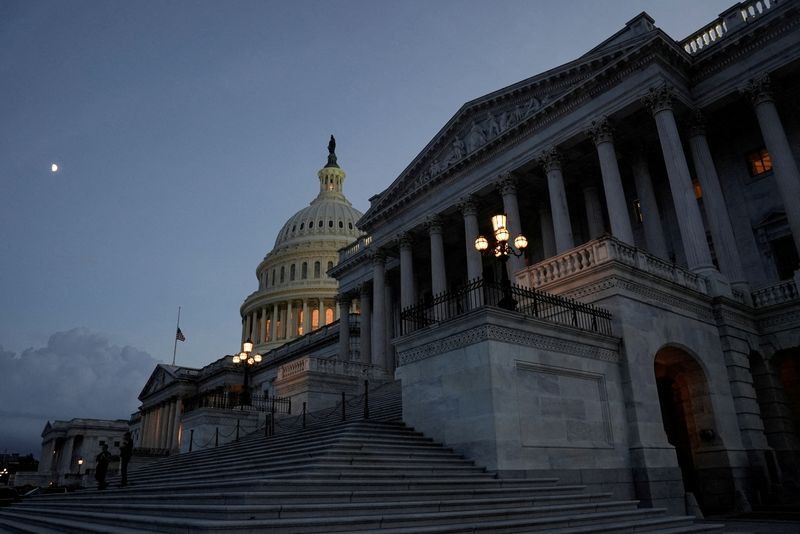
pixel 78 374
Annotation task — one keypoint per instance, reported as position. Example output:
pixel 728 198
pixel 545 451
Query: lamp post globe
pixel 501 250
pixel 246 359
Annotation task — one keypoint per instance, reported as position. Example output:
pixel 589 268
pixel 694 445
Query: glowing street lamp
pixel 501 250
pixel 247 359
pixel 80 463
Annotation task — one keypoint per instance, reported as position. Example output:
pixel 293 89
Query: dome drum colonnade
pixel 555 222
pixel 295 294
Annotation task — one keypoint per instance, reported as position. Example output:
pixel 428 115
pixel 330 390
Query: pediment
pixel 160 378
pixel 498 117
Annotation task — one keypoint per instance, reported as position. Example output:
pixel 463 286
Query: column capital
pixel 506 184
pixel 659 98
pixel 601 131
pixel 434 224
pixel 758 89
pixel 342 298
pixel 378 257
pixel 468 206
pixel 405 240
pixel 697 124
pixel 550 159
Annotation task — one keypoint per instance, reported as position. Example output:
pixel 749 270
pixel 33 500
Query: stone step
pixel 267 509
pixel 541 517
pixel 538 494
pixel 316 484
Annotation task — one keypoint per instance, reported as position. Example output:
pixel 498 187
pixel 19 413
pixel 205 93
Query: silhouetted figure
pixel 125 453
pixel 101 467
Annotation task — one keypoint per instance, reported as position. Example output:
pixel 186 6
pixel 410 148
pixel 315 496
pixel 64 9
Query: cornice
pixel 491 332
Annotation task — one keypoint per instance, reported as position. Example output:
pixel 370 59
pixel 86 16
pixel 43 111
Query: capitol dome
pixel 295 294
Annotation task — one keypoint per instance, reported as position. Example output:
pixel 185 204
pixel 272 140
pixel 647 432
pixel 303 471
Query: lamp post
pixel 501 250
pixel 80 463
pixel 247 359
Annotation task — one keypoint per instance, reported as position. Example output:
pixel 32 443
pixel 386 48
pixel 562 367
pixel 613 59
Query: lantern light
pixel 521 242
pixel 498 221
pixel 247 346
pixel 481 243
pixel 235 358
pixel 502 234
pixel 257 358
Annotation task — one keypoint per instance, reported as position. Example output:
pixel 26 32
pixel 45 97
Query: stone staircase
pixel 361 475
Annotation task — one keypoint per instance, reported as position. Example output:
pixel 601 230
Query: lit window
pixel 698 192
pixel 637 210
pixel 759 162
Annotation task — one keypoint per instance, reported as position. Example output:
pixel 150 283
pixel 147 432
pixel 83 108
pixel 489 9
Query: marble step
pixel 267 509
pixel 535 494
pixel 504 520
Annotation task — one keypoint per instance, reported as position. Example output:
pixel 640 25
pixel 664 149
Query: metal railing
pixel 479 293
pixel 234 400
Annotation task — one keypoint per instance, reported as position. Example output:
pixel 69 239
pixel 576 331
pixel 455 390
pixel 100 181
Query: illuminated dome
pixel 295 294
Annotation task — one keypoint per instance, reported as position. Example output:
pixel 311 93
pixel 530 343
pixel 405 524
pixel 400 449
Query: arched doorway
pixel 688 417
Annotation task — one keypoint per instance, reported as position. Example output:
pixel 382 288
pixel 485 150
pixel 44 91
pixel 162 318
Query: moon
pixel 54 167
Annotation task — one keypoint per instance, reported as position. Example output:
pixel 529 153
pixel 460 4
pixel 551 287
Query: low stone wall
pixel 206 428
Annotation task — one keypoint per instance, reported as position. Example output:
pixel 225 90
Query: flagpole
pixel 177 327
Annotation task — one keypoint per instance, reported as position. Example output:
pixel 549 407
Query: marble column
pixel 407 289
pixel 306 318
pixel 784 166
pixel 618 215
pixel 168 425
pixel 273 334
pixel 248 326
pixel 471 231
pixel 254 322
pixel 322 321
pixel 289 320
pixel 344 327
pixel 716 210
pixel 651 217
pixel 507 185
pixel 594 211
pixel 551 162
pixel 263 337
pixel 438 271
pixel 687 212
pixel 244 328
pixel 365 341
pixel 379 309
pixel 389 348
pixel 548 234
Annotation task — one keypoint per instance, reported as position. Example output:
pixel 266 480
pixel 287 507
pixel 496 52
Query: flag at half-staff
pixel 179 335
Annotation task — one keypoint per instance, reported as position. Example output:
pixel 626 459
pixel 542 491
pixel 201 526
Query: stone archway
pixel 688 417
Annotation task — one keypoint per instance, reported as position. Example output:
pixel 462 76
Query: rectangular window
pixel 637 210
pixel 698 192
pixel 759 162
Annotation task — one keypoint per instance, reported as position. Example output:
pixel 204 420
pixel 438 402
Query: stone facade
pixel 654 179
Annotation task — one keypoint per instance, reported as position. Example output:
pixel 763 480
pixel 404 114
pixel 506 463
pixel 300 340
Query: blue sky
pixel 187 132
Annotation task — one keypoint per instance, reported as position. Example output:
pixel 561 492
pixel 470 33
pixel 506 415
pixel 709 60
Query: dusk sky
pixel 187 132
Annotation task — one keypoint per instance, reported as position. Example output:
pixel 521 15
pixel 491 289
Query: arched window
pixel 320 223
pixel 273 277
pixel 316 269
pixel 350 225
pixel 304 271
pixel 311 224
pixel 330 224
pixel 283 271
pixel 302 225
pixel 330 266
pixel 291 272
pixel 341 224
pixel 328 316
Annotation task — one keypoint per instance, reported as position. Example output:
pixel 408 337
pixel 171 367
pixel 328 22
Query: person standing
pixel 125 453
pixel 101 467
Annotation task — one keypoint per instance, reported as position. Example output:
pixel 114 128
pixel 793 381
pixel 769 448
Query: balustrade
pixel 776 294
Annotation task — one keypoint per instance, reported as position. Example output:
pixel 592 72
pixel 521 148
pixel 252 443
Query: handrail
pixel 480 293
